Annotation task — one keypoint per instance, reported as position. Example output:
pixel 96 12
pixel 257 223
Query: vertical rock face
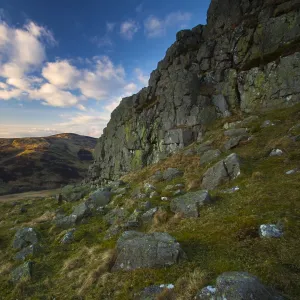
pixel 247 57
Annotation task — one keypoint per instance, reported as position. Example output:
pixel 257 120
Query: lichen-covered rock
pixel 81 211
pixel 148 215
pixel 65 221
pixel 151 292
pixel 234 141
pixel 23 272
pixel 139 250
pixel 188 204
pixel 68 237
pixel 222 172
pixel 270 231
pixel 24 237
pixel 207 293
pixel 276 152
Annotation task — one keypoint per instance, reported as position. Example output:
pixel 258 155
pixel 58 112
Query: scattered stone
pixel 276 152
pixel 100 198
pixel 23 209
pixel 148 216
pixel 113 231
pixel 189 204
pixel 140 196
pixel 145 205
pixel 209 156
pixel 179 186
pixel 222 172
pixel 134 220
pixel 68 237
pixel 65 222
pixel 203 147
pixel 236 132
pixel 267 123
pixel 207 293
pixel 172 173
pixel 23 272
pixel 30 250
pixel 290 172
pixel 164 198
pixel 232 125
pixel 59 198
pixel 81 211
pixel 235 141
pixel 139 250
pixel 24 237
pixel 154 194
pixel 149 188
pixel 270 231
pixel 157 176
pixel 169 187
pixel 116 215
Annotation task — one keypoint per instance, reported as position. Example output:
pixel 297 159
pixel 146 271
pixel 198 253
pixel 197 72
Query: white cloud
pixel 156 27
pixel 128 29
pixel 9 94
pixel 104 41
pixel 61 73
pixel 143 79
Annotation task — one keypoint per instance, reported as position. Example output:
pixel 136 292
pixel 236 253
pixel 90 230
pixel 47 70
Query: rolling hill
pixel 43 162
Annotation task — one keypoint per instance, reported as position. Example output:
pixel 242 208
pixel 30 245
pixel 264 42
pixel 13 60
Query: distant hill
pixel 43 162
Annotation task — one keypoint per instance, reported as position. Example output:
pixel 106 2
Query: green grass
pixel 223 238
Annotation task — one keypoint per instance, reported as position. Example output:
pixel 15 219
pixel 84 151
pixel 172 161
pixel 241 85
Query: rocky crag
pixel 246 58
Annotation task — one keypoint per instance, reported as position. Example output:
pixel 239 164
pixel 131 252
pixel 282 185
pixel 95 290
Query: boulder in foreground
pixel 137 250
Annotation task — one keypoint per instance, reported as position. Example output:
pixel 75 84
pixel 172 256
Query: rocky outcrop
pixel 246 58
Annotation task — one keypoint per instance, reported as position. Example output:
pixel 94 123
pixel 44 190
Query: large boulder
pixel 238 286
pixel 222 172
pixel 28 251
pixel 189 204
pixel 24 237
pixel 139 250
pixel 81 211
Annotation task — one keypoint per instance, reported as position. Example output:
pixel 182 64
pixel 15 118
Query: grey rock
pixel 138 250
pixel 241 286
pixel 189 204
pixel 203 147
pixel 81 211
pixel 31 250
pixel 113 231
pixel 99 198
pixel 276 152
pixel 207 293
pixel 209 156
pixel 267 123
pixel 149 188
pixel 157 177
pixel 134 220
pixel 178 192
pixel 172 173
pixel 65 221
pixel 234 141
pixel 68 237
pixel 116 215
pixel 148 215
pixel 23 272
pixel 222 172
pixel 153 194
pixel 24 237
pixel 270 231
pixel 145 205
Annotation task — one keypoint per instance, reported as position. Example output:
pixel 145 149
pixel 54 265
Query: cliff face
pixel 246 58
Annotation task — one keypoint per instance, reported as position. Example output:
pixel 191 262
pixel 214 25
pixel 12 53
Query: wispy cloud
pixel 128 29
pixel 156 27
pixel 110 26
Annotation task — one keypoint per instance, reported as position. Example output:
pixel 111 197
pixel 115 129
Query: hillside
pixel 75 254
pixel 43 162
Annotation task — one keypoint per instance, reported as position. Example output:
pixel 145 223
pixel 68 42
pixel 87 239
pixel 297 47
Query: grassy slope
pixel 224 238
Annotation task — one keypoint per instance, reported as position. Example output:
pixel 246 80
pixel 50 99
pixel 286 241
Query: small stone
pixel 23 210
pixel 172 173
pixel 270 231
pixel 290 172
pixel 145 205
pixel 148 216
pixel 149 188
pixel 267 123
pixel 169 187
pixel 236 132
pixel 276 152
pixel 68 237
pixel 231 190
pixel 24 237
pixel 164 198
pixel 209 156
pixel 154 194
pixel 178 192
pixel 207 293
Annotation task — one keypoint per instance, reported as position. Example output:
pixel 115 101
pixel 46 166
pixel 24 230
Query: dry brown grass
pixel 46 217
pixel 187 286
pixel 88 267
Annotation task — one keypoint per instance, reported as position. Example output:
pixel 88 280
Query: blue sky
pixel 65 65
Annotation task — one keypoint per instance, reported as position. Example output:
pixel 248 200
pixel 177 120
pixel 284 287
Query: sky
pixel 65 65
